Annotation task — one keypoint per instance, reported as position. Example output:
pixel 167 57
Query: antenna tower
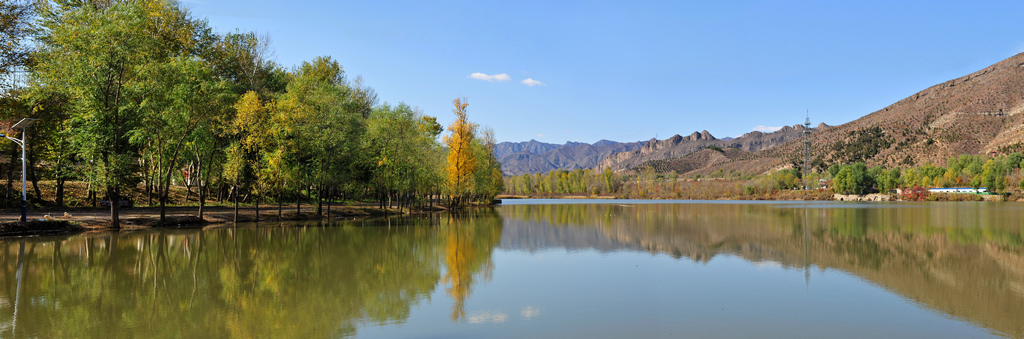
pixel 807 149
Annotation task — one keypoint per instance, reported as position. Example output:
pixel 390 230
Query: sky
pixel 558 71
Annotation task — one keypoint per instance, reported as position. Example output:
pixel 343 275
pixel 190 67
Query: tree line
pixel 143 93
pixel 996 174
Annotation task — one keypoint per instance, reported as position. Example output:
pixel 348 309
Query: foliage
pixel 461 159
pixel 853 179
pixel 140 91
pixel 862 145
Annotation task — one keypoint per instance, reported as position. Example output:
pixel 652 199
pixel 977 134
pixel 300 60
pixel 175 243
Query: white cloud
pixel 541 135
pixel 767 129
pixel 490 78
pixel 496 317
pixel 531 82
pixel 530 312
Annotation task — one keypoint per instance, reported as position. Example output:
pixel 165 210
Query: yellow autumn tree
pixel 251 127
pixel 251 122
pixel 461 160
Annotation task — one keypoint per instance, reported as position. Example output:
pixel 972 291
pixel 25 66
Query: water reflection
pixel 469 242
pixel 246 282
pixel 964 260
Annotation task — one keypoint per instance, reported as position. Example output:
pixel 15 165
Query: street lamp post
pixel 23 124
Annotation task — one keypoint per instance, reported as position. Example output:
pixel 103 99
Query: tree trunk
pixel 10 176
pixel 329 204
pixel 60 192
pixel 188 192
pixel 114 193
pixel 199 174
pixel 167 180
pixel 35 179
pixel 280 206
pixel 159 178
pixel 204 183
pixel 258 207
pixel 319 200
pixel 236 204
pixel 146 181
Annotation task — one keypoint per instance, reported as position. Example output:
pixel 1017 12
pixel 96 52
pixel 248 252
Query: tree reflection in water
pixel 470 241
pixel 299 281
pixel 309 280
pixel 963 259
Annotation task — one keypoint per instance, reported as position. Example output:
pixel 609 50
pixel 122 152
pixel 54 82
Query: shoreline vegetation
pixel 136 100
pixel 82 213
pixel 1001 175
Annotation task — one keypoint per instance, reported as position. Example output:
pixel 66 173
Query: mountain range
pixel 979 113
pixel 532 156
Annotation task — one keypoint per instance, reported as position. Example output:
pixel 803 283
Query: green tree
pixel 853 179
pixel 97 54
pixel 487 175
pixel 186 96
pixel 251 127
pixel 399 144
pixel 319 99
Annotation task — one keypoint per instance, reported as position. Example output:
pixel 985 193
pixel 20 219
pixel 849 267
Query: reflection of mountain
pixel 534 236
pixel 308 282
pixel 964 260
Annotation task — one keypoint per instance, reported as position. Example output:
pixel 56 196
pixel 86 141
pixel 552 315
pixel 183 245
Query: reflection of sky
pixel 496 317
pixel 631 294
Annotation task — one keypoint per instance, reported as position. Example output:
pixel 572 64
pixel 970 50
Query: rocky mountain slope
pixel 503 149
pixel 537 157
pixel 678 146
pixel 979 113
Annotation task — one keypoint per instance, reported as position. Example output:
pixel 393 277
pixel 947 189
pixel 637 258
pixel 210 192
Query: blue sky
pixel 633 70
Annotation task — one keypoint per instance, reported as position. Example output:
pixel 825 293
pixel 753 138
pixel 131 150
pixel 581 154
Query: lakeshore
pixel 88 219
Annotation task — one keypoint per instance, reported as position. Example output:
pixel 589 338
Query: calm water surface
pixel 540 269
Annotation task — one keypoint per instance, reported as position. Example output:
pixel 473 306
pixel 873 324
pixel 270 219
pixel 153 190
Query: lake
pixel 540 269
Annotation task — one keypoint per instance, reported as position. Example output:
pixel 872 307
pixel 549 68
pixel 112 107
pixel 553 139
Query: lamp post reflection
pixel 17 293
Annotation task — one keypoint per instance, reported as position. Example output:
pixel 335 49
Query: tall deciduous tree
pixel 251 126
pixel 319 99
pixel 186 96
pixel 97 54
pixel 461 160
pixel 100 54
pixel 487 176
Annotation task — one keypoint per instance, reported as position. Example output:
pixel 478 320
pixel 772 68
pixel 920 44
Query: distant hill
pixel 979 113
pixel 678 146
pixel 518 158
pixel 503 149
